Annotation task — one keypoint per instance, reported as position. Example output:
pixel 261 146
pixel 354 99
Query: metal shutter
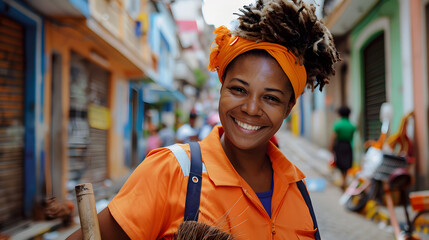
pixel 78 127
pixel 97 151
pixel 87 147
pixel 11 121
pixel 374 86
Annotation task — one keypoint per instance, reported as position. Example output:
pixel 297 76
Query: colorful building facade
pixel 382 62
pixel 71 98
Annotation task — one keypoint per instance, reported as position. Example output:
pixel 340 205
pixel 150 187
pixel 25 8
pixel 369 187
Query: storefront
pixel 21 154
pixel 12 129
pixel 88 90
pixel 89 121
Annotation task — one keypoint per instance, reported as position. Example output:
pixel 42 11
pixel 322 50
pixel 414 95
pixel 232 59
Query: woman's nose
pixel 252 107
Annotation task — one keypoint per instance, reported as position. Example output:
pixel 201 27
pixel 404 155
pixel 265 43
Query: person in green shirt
pixel 341 146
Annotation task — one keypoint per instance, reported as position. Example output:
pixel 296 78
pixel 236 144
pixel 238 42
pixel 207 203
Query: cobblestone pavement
pixel 335 221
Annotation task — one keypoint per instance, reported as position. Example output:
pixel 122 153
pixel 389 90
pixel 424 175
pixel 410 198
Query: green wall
pixel 388 9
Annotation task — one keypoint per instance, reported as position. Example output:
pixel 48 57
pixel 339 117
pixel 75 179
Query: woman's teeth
pixel 247 126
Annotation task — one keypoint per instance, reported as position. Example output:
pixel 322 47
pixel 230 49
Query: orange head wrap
pixel 229 47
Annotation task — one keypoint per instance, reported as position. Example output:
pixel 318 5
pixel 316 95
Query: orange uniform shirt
pixel 151 203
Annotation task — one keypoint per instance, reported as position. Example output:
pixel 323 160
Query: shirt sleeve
pixel 143 206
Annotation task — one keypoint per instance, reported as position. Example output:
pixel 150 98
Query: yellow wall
pixel 295 121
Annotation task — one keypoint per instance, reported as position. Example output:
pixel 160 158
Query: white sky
pixel 220 12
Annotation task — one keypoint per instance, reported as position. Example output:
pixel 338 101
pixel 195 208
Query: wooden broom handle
pixel 87 212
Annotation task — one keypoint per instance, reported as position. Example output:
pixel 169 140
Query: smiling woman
pixel 247 188
pixel 256 96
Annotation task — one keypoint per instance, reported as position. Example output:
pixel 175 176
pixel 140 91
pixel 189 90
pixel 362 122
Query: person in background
pixel 211 121
pixel 153 141
pixel 249 189
pixel 188 131
pixel 341 143
pixel 167 136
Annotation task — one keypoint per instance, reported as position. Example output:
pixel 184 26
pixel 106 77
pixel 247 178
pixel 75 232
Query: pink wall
pixel 420 86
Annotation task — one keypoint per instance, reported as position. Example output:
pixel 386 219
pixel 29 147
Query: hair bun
pixel 293 24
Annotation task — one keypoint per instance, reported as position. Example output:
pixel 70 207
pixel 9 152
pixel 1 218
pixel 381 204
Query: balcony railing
pixel 130 34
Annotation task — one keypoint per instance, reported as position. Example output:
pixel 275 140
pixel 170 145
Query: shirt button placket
pixel 273 229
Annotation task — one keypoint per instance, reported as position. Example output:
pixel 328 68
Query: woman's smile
pixel 246 126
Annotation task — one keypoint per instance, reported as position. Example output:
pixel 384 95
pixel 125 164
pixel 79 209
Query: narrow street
pixel 89 87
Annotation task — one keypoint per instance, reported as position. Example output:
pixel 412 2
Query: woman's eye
pixel 272 98
pixel 237 90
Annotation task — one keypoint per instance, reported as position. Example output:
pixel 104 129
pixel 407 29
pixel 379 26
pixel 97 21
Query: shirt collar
pixel 222 173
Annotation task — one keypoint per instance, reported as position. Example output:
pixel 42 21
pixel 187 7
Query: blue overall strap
pixel 304 193
pixel 193 192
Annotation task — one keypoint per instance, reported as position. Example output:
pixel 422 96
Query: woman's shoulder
pixel 165 160
pixel 159 171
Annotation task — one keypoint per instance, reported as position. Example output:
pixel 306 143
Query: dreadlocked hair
pixel 293 24
pixel 192 230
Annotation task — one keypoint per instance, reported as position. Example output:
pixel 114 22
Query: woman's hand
pixel 109 228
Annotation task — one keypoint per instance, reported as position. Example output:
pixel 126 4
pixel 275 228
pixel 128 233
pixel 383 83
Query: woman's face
pixel 254 100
